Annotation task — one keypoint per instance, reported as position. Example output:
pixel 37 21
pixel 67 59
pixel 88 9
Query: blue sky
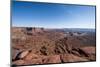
pixel 52 15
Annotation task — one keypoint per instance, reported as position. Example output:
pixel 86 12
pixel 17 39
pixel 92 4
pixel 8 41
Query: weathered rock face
pixel 72 58
pixel 15 54
pixel 18 62
pixel 28 58
pixel 31 56
pixel 52 59
pixel 43 46
pixel 23 54
pixel 38 59
pixel 75 53
pixel 90 52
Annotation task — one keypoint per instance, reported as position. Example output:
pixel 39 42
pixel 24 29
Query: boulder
pixel 23 54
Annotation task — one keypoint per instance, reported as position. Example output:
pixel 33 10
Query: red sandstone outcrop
pixel 40 46
pixel 72 58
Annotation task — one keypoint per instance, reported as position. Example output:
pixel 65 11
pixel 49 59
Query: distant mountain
pixel 73 30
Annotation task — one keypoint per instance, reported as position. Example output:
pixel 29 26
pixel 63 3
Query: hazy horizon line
pixel 54 27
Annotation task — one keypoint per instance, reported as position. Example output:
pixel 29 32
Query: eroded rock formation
pixel 40 46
